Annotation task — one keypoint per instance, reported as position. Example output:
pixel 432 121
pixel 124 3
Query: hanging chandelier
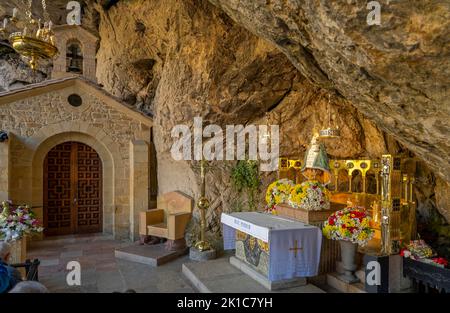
pixel 36 41
pixel 331 131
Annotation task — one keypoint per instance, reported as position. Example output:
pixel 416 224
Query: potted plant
pixel 351 228
pixel 17 222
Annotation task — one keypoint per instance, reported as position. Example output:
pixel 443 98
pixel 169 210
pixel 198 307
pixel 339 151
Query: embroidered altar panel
pixel 279 248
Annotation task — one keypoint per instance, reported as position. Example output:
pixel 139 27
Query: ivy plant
pixel 245 178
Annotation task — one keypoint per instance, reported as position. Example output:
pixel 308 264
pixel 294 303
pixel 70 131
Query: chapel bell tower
pixel 77 49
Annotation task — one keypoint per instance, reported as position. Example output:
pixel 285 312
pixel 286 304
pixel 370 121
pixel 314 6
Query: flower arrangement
pixel 17 221
pixel 350 224
pixel 417 249
pixel 278 192
pixel 310 195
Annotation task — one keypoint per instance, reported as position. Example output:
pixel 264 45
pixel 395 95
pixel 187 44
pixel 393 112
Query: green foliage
pixel 245 178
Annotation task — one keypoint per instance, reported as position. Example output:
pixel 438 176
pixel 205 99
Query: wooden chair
pixel 168 220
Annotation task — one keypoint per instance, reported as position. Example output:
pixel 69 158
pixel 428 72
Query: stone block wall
pixel 65 34
pixel 4 170
pixel 39 122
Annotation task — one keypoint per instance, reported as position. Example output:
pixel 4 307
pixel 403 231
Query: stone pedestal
pixel 389 269
pixel 18 251
pixel 197 255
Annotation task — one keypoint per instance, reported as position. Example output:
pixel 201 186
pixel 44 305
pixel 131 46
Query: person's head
pixel 29 287
pixel 5 251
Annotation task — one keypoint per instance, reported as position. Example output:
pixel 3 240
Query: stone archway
pixel 106 157
pixel 72 190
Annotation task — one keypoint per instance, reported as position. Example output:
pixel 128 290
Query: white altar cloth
pixel 294 246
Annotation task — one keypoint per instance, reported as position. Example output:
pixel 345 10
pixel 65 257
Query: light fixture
pixel 36 41
pixel 330 131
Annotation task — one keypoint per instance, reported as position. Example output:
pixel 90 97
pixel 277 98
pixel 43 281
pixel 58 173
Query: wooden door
pixel 72 190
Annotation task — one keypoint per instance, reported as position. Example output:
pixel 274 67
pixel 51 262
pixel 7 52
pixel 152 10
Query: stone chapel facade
pixel 77 155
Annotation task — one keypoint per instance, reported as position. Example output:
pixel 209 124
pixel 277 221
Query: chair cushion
pixel 158 230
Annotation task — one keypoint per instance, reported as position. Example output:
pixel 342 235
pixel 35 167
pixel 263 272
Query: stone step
pixel 219 276
pixel 336 283
pixel 153 255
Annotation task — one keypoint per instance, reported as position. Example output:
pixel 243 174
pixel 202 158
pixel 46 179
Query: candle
pixel 50 24
pixel 5 23
pixel 14 13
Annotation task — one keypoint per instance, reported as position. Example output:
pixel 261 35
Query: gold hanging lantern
pixel 36 42
pixel 330 131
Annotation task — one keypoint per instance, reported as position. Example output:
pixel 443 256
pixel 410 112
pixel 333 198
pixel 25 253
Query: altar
pixel 279 249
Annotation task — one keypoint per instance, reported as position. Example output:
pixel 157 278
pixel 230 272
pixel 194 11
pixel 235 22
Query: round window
pixel 75 100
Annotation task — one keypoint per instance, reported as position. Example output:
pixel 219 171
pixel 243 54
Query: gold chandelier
pixel 36 41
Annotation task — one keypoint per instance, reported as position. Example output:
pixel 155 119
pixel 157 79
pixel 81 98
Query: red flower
pixel 441 261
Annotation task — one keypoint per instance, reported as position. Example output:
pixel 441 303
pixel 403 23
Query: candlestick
pixel 203 205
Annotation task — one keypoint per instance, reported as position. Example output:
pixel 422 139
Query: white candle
pixel 5 22
pixel 14 12
pixel 50 24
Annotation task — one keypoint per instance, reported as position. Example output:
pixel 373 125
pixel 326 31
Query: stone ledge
pixel 335 282
pixel 219 276
pixel 153 255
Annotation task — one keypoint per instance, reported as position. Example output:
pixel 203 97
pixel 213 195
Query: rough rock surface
pixel 14 73
pixel 188 59
pixel 181 59
pixel 397 74
pixel 443 198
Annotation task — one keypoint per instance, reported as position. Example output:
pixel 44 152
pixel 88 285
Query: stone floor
pixel 100 270
pixel 220 276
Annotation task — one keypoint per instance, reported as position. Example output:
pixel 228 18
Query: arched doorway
pixel 72 190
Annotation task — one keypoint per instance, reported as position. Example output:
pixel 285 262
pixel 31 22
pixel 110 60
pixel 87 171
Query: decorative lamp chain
pixel 29 9
pixel 329 111
pixel 46 15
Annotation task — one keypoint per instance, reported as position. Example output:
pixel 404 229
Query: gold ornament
pixel 34 42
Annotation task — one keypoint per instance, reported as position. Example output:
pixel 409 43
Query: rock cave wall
pixel 231 63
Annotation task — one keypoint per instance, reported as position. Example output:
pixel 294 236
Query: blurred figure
pixel 14 275
pixel 29 287
pixel 4 279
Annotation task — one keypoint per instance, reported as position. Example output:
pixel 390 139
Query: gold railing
pixel 383 186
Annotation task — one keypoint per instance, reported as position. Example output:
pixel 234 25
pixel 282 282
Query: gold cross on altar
pixel 295 248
